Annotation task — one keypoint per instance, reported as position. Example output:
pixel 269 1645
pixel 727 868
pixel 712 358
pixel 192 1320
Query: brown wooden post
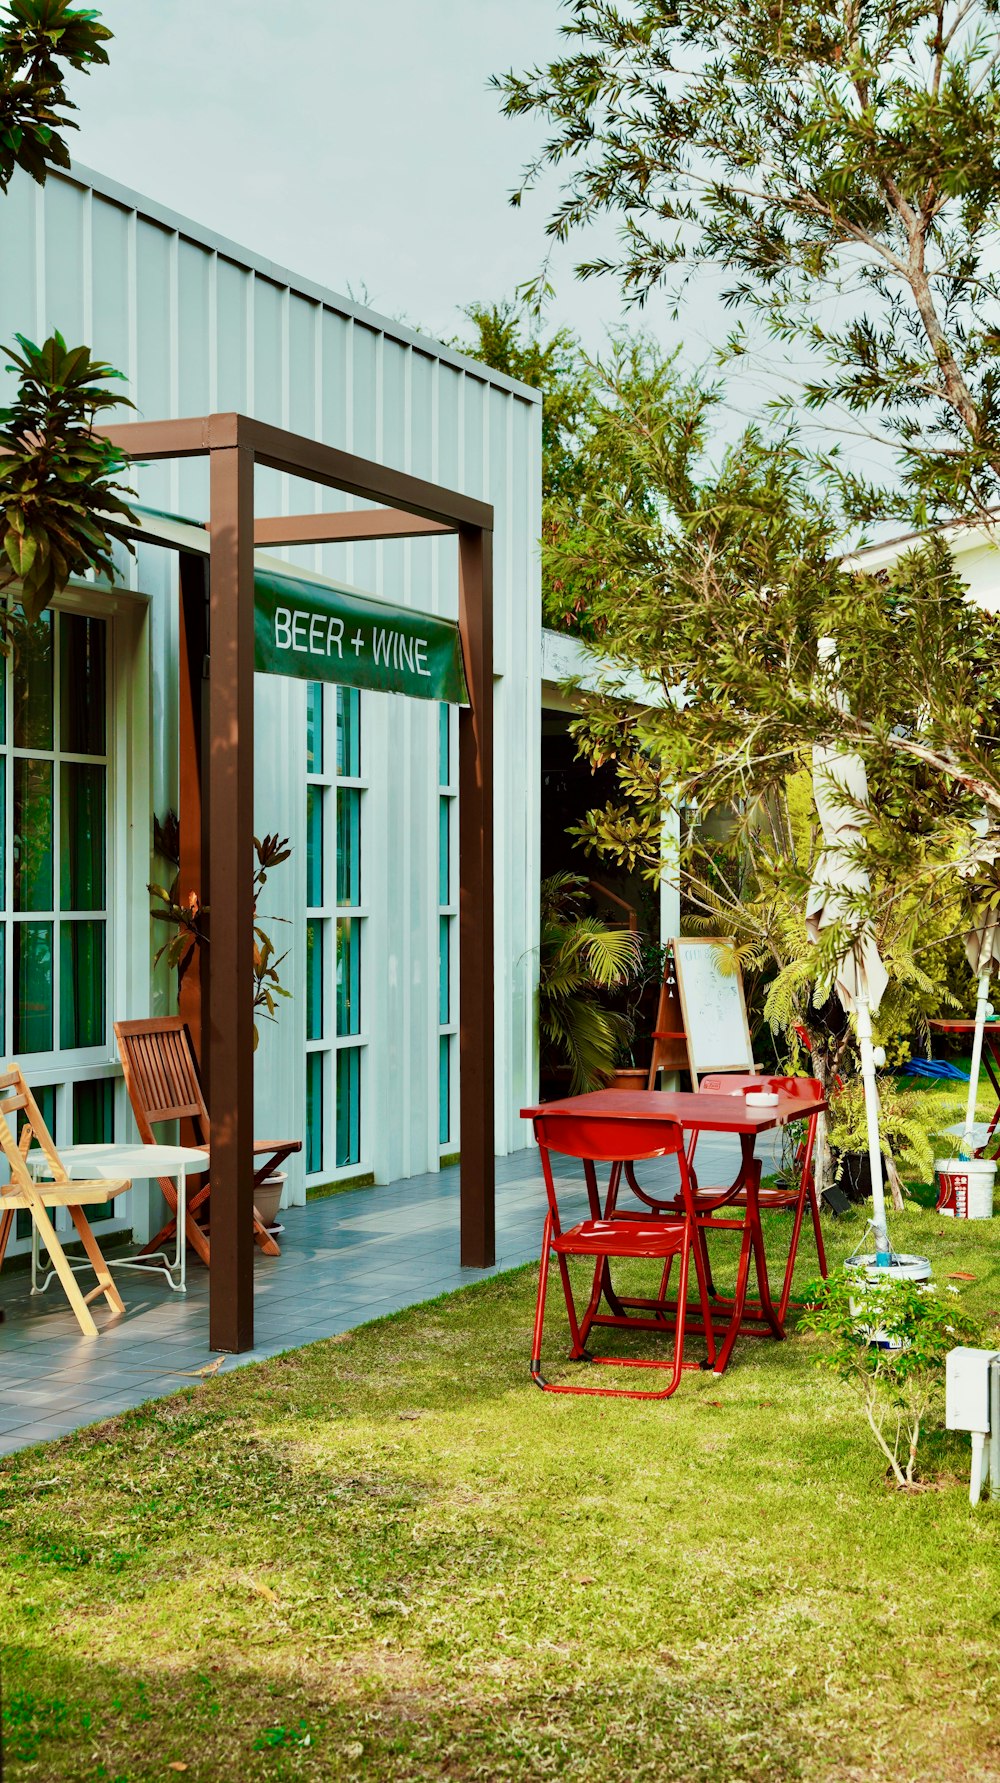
pixel 475 859
pixel 228 1018
pixel 193 640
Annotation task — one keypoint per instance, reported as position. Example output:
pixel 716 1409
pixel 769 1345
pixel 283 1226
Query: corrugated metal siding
pixel 198 325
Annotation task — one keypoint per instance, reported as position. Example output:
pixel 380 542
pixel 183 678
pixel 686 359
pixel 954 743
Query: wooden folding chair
pixel 22 1192
pixel 161 1077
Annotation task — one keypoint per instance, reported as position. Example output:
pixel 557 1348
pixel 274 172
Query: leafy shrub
pixel 898 1380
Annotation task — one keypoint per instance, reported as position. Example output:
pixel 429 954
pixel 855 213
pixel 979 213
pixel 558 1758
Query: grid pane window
pixel 314 727
pixel 348 847
pixel 348 976
pixel 315 800
pixel 56 889
pixel 348 733
pixel 444 1089
pixel 348 1106
pixel 54 801
pixel 314 979
pixel 314 1111
pixel 335 928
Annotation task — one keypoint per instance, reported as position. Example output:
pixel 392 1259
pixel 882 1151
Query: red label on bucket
pixel 953 1193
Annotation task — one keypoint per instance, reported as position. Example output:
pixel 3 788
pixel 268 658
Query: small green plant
pixel 283 1736
pixel 580 960
pixel 185 913
pixel 889 1343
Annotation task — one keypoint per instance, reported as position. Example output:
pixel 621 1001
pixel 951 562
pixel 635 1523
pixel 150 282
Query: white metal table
pixel 142 1163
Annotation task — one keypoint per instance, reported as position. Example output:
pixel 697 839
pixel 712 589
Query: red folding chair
pixel 807 1090
pixel 603 1141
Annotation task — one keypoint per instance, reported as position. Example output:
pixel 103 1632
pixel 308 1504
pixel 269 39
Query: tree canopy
pixel 846 150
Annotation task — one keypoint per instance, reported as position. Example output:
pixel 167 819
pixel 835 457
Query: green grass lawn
pixel 389 1556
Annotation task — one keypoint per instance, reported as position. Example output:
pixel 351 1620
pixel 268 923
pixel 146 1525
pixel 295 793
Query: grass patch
pixel 322 1191
pixel 388 1556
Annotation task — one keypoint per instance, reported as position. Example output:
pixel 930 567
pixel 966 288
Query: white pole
pixel 883 1255
pixel 969 1136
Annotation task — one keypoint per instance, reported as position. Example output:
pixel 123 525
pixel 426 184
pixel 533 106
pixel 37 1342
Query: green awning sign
pixel 315 632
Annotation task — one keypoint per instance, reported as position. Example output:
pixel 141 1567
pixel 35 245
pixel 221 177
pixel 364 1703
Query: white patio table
pixel 142 1162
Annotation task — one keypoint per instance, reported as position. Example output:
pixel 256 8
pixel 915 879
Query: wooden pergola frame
pixel 217 783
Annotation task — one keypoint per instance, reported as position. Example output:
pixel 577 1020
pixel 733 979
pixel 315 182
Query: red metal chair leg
pixel 739 1301
pixel 543 1282
pixel 677 1368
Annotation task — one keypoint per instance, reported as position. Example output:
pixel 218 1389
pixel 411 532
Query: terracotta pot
pixel 630 1077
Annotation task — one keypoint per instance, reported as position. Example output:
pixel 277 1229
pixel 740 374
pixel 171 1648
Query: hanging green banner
pixel 318 633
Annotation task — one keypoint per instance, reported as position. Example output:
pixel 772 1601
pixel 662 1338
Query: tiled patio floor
pixel 346 1259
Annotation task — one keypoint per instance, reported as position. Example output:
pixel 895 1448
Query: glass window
pixel 32 987
pixel 314 846
pixel 83 655
pixel 349 1105
pixel 82 851
pixel 444 1089
pixel 348 847
pixel 314 978
pixel 94 1112
pixel 444 851
pixel 444 970
pixel 314 1111
pixel 348 733
pixel 348 977
pixel 444 746
pixel 32 834
pixel 314 727
pixel 83 976
pixel 33 685
pixel 94 1124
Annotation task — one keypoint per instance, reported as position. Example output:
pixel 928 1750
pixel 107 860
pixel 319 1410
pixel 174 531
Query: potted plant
pixel 906 1138
pixel 581 960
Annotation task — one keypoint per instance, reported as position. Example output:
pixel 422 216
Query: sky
pixel 358 144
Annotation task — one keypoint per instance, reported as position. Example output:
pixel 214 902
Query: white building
pixel 363 1061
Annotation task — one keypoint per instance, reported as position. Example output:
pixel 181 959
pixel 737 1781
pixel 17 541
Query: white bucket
pixel 965 1187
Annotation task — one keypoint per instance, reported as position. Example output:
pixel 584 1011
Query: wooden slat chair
pixel 161 1077
pixel 22 1192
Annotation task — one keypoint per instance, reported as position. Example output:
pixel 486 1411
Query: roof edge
pixel 177 223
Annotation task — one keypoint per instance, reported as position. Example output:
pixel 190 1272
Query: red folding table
pixel 991 1059
pixel 699 1112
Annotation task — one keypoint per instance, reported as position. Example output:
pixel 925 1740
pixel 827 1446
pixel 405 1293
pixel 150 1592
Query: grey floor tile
pixel 346 1260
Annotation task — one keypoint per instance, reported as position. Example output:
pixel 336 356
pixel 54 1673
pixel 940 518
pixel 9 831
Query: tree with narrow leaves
pixel 846 151
pixel 719 586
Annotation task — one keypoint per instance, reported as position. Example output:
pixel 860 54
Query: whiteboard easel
pixel 702 1018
